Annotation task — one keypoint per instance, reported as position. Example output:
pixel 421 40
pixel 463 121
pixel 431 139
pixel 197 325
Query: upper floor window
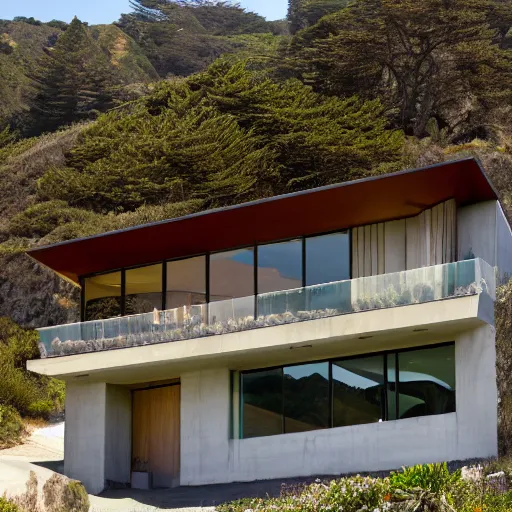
pixel 280 266
pixel 232 274
pixel 143 287
pixel 102 296
pixel 185 282
pixel 327 258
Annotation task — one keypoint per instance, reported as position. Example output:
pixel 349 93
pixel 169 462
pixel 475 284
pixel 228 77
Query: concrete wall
pixel 209 457
pixel 118 434
pixel 476 232
pixel 84 438
pixel 205 425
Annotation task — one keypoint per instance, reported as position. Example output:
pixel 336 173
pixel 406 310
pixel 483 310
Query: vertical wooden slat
pixel 381 265
pixel 156 432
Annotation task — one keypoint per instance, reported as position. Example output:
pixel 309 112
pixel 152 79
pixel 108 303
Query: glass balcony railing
pixel 270 309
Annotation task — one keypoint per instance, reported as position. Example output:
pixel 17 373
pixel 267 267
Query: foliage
pixel 29 394
pixel 427 488
pixel 226 135
pixel 503 315
pixel 73 81
pixel 435 478
pixel 181 38
pixel 429 59
pixel 305 13
pixel 7 506
pixel 11 428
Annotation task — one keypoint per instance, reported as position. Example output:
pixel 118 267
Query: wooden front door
pixel 156 434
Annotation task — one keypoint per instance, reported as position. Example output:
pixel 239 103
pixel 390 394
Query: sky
pixel 107 11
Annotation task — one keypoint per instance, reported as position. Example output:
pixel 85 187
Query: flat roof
pixel 333 207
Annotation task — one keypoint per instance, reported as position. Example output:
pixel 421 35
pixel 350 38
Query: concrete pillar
pixel 477 395
pixel 205 417
pixel 118 435
pixel 84 439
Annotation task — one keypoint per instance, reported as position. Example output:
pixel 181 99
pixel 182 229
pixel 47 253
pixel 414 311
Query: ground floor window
pixel 348 391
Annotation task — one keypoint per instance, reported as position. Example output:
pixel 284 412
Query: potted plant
pixel 141 477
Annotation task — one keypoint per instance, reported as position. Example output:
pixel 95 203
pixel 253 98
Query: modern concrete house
pixel 341 329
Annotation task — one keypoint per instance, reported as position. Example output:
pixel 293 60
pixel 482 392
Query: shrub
pixel 7 506
pixel 11 427
pixel 435 478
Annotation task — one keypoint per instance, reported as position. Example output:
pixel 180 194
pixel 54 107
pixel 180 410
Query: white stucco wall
pixel 118 440
pixel 209 457
pixel 84 438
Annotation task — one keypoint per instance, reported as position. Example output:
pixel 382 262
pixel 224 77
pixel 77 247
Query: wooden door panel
pixel 156 432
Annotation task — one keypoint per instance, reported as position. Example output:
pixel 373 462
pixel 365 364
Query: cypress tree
pixel 72 81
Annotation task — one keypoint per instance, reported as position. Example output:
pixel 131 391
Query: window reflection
pixel 426 381
pixel 306 397
pixel 232 274
pixel 262 413
pixel 357 391
pixel 143 289
pixel 327 258
pixel 103 296
pixel 186 282
pixel 280 266
pixel 391 391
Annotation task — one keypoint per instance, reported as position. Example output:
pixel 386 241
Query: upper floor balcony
pixel 304 304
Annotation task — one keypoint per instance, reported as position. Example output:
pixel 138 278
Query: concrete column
pixel 118 434
pixel 205 417
pixel 84 440
pixel 477 395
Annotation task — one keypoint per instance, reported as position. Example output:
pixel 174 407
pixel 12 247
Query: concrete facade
pixel 209 456
pixel 99 401
pixel 84 437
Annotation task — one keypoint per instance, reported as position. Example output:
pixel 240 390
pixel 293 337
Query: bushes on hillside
pixel 11 428
pixel 30 394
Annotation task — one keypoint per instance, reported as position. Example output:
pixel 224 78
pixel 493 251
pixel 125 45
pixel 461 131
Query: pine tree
pixel 73 81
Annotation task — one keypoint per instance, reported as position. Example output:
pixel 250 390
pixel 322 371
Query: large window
pixel 232 274
pixel 351 391
pixel 306 397
pixel 235 274
pixel 327 258
pixel 102 296
pixel 279 266
pixel 357 387
pixel 143 289
pixel 186 282
pixel 426 382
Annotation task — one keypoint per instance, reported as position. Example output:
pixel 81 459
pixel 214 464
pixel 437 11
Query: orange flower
pixel 387 497
pixel 478 509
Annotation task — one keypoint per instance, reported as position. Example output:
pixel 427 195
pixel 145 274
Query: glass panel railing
pixel 313 302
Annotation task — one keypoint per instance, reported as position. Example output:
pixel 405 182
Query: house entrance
pixel 156 434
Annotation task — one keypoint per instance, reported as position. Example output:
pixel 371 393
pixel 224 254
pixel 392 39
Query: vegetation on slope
pixel 426 488
pixel 23 393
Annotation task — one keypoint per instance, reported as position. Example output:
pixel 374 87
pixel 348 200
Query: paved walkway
pixel 43 453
